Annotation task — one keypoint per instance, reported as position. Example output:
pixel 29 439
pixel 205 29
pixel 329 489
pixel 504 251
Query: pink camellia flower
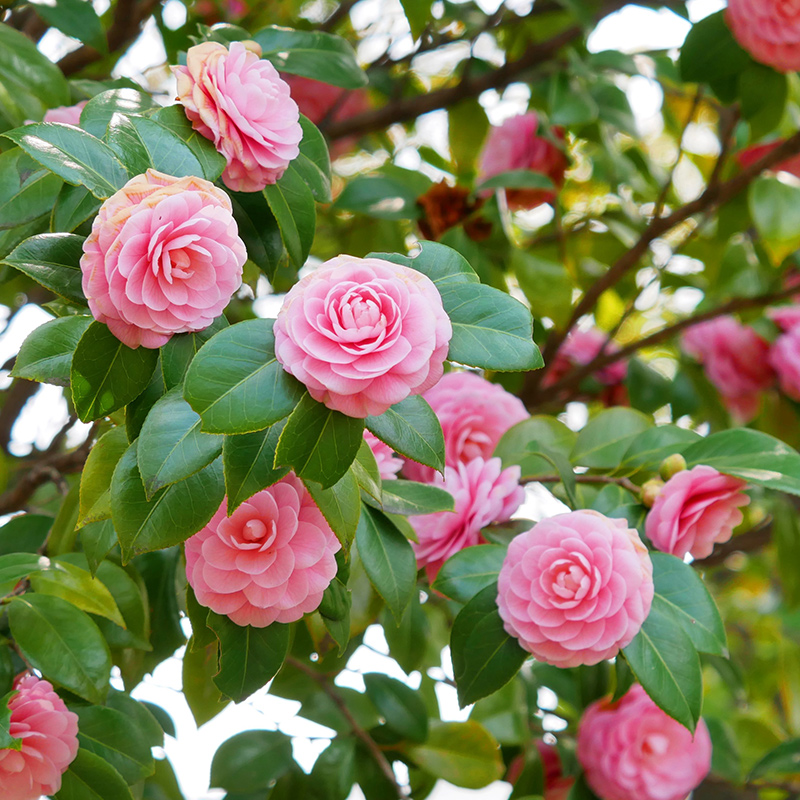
pixel 735 361
pixel 270 561
pixel 514 145
pixel 785 317
pixel 49 734
pixel 631 750
pixel 695 509
pixel 576 588
pixel 164 257
pixel 388 463
pixel 784 356
pixel 581 348
pixel 321 101
pixel 239 101
pixel 363 334
pixel 750 155
pixel 769 30
pixel 70 115
pixel 474 414
pixel 484 492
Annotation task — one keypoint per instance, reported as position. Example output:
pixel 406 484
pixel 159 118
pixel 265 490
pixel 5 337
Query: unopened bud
pixel 650 491
pixel 253 47
pixel 671 465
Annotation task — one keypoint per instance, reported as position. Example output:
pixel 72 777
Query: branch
pixel 15 399
pixel 376 753
pixel 341 11
pixel 623 482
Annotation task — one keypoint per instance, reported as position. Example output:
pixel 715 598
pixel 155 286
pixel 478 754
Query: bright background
pixel 632 30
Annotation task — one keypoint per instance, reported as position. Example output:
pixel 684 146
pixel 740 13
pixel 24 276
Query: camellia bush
pixel 558 301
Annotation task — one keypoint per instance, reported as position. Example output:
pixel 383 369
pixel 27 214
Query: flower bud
pixel 650 491
pixel 670 465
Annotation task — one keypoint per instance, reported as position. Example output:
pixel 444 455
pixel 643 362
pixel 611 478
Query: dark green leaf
pixel 95 498
pixel 292 204
pixel 409 498
pixel 76 18
pixel 26 192
pixel 90 777
pixel 7 741
pixel 606 437
pixel 526 442
pixel 710 52
pixel 46 353
pixel 399 705
pixel 250 761
pixel 178 352
pixel 97 113
pixel 782 760
pixel 24 533
pixel 470 571
pixel 404 637
pixel 73 206
pixel 517 179
pixel 97 539
pixel 340 505
pixel 16 566
pixel 174 118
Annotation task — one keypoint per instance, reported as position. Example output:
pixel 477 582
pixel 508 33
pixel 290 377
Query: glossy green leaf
pixel 73 206
pixel 16 566
pixel 107 374
pixel 412 429
pixel 178 352
pixel 91 777
pixel 26 192
pixel 259 231
pixel 317 443
pixel 517 179
pixel 53 260
pixel 97 540
pixel 409 498
pixel 469 571
pixel 7 741
pixel 97 113
pixel 314 163
pixel 63 643
pixel 292 204
pixel 200 666
pixel 174 119
pixel 710 51
pixel 171 516
pixel 95 492
pixel 648 449
pixel 606 437
pixel 404 636
pixel 401 707
pixel 525 442
pixel 235 382
pixel 75 18
pixel 25 533
pixel 340 505
pixel 391 196
pixel 250 761
pixel 46 353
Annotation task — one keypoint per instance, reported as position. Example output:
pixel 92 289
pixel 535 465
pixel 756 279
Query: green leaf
pixel 333 773
pixel 401 707
pixel 97 113
pixel 388 559
pixel 517 179
pixel 314 163
pixel 751 455
pixel 7 741
pixel 782 760
pixel 470 571
pixel 526 442
pixel 606 437
pixel 259 231
pixel 235 382
pixel 25 533
pixel 365 468
pixel 95 492
pixel 547 286
pixel 250 761
pixel 97 540
pixel 200 665
pixel 90 777
pixel 53 260
pixel 648 449
pixel 61 642
pixel 248 657
pixel 248 460
pixel 710 52
pixel 485 657
pixel 774 208
pixel 174 119
pixel 334 609
pixel 171 445
pixel 74 155
pixel 312 54
pixel 16 566
pixel 76 586
pixel 762 93
pixel 171 516
pixel 46 353
pixel 292 203
pixel 76 18
pixel 679 586
pixel 319 444
pixel 409 498
pixel 462 753
pixel 73 206
pixel 178 352
pixel 142 143
pixel 665 662
pixel 411 428
pixel 391 196
pixel 340 505
pixel 404 637
pixel 106 374
pixel 26 192
pixel 418 15
pixel 29 82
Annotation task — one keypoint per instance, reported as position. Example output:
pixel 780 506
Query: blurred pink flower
pixel 736 361
pixel 474 414
pixel 581 348
pixel 363 334
pixel 388 463
pixel 49 733
pixel 270 561
pixel 70 115
pixel 239 102
pixel 769 30
pixel 576 588
pixel 514 145
pixel 164 257
pixel 695 509
pixel 484 492
pixel 631 750
pixel 784 357
pixel 750 155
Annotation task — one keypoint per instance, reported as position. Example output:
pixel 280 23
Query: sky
pixel 631 29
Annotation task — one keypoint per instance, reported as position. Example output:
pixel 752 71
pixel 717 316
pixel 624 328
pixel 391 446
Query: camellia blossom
pixel 484 492
pixel 240 102
pixel 164 257
pixel 69 115
pixel 576 588
pixel 49 734
pixel 581 348
pixel 270 561
pixel 388 463
pixel 631 750
pixel 769 30
pixel 514 145
pixel 695 509
pixel 474 414
pixel 784 357
pixel 736 361
pixel 785 317
pixel 363 334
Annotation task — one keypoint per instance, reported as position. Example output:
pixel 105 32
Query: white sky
pixel 632 29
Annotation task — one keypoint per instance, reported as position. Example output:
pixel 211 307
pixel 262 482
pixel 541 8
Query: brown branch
pixel 607 479
pixel 340 12
pixel 15 399
pixel 713 196
pixel 375 751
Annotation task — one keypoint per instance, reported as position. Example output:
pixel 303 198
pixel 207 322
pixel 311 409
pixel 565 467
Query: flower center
pixel 169 253
pixel 572 579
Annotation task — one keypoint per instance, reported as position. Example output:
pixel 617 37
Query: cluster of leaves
pixel 91 575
